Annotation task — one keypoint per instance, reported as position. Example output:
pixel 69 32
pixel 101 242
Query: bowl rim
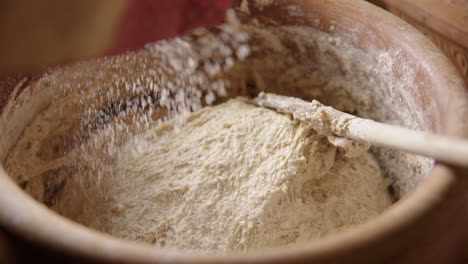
pixel 32 221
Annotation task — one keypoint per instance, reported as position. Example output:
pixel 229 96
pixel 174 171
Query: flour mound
pixel 233 177
pixel 237 177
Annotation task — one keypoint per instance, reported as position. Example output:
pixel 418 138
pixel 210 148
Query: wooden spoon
pixel 329 121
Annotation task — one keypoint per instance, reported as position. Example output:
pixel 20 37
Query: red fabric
pixel 151 20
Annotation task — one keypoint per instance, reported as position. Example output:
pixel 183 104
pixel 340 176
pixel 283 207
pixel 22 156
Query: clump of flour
pixel 234 177
pixel 228 182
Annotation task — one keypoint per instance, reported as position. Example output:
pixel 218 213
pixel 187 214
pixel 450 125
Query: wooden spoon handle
pixel 443 148
pixel 329 121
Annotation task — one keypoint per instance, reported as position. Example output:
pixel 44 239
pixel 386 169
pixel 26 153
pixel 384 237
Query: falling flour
pixel 237 177
pixel 234 177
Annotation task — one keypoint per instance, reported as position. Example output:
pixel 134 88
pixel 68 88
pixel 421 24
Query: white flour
pixel 235 177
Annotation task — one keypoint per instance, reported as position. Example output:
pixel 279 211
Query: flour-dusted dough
pixel 234 177
pixel 239 177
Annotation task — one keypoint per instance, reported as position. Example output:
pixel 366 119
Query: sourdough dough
pixel 234 177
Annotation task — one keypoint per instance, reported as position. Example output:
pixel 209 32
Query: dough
pixel 234 177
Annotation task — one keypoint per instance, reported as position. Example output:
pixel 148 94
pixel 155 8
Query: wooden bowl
pixel 425 226
pixel 444 22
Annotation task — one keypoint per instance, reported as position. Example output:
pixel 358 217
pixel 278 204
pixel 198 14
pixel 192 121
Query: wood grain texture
pixel 445 22
pixel 456 52
pixel 446 17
